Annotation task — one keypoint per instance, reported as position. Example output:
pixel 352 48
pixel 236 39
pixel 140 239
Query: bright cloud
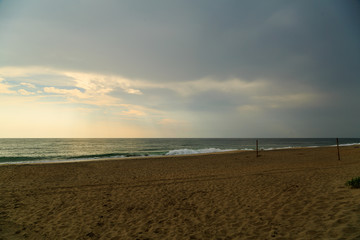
pixel 98 83
pixel 88 88
pixel 25 93
pixel 67 92
pixel 133 91
pixel 5 88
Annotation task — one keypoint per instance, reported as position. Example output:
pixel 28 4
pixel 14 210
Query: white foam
pixel 348 144
pixel 288 147
pixel 193 151
pixel 277 148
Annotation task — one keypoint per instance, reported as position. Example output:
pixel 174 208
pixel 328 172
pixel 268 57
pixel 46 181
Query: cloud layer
pixel 184 68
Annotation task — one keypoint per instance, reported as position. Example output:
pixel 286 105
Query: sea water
pixel 27 150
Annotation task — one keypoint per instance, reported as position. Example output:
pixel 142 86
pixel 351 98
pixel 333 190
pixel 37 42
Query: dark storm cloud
pixel 185 40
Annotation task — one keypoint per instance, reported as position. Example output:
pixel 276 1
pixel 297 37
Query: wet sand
pixel 283 194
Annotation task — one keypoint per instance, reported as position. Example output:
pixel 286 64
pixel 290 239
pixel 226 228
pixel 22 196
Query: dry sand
pixel 283 194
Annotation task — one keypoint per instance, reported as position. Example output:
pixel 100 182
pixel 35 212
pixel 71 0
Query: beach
pixel 282 194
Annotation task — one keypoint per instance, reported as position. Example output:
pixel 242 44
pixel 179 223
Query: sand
pixel 283 194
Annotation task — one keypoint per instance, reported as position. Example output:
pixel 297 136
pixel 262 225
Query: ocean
pixel 37 150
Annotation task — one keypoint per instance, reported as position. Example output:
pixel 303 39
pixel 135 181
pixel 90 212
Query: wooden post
pixel 257 148
pixel 338 150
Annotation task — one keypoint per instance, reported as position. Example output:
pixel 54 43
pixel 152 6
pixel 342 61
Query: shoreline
pixel 79 160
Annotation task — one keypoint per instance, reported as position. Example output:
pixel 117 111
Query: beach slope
pixel 282 194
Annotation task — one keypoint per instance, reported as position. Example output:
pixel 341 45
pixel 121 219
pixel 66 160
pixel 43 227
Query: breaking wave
pixel 193 151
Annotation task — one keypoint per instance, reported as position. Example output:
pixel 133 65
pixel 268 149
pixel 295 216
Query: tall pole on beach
pixel 338 150
pixel 257 148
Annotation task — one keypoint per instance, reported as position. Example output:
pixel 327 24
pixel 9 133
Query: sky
pixel 205 68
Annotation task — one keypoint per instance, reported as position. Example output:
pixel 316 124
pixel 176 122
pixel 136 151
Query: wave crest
pixel 186 151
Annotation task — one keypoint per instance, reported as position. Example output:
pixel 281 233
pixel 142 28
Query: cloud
pixel 5 88
pixel 213 64
pixel 81 87
pixel 25 93
pixel 92 89
pixel 29 85
pixel 133 91
pixel 154 41
pixel 291 100
pixel 133 112
pixel 170 121
pixel 16 71
pixel 249 108
pixel 223 85
pixel 67 92
pixel 203 107
pixel 101 83
pixel 139 110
